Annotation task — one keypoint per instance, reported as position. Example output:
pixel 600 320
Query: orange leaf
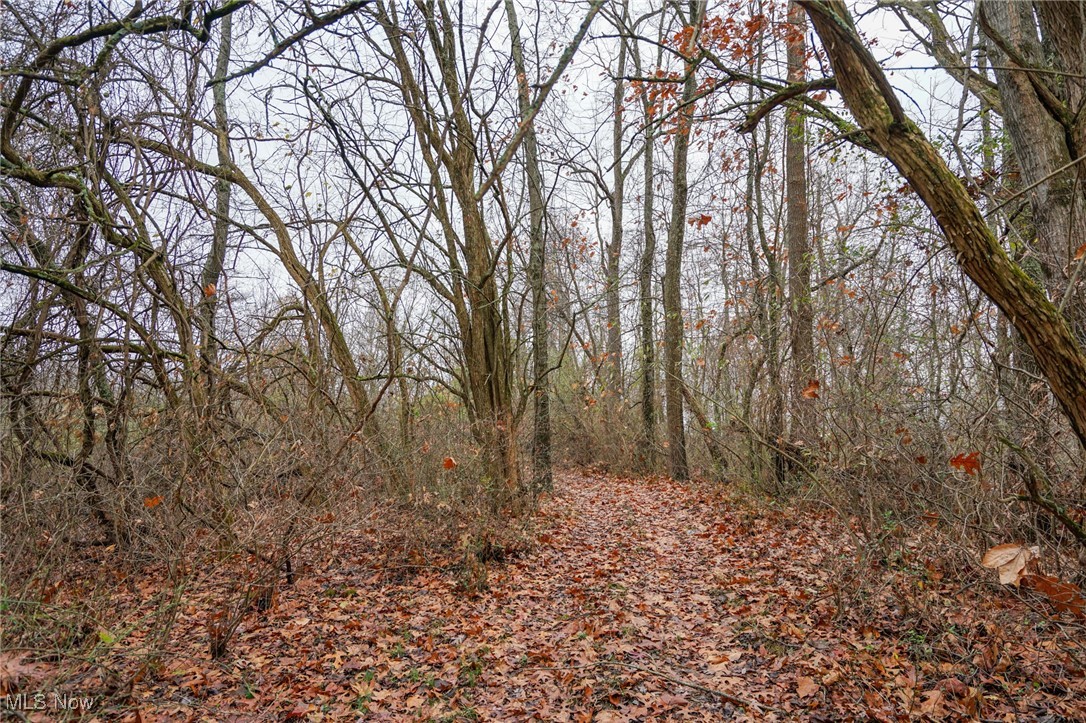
pixel 152 502
pixel 811 390
pixel 449 463
pixel 1064 596
pixel 209 290
pixel 968 463
pixel 1080 253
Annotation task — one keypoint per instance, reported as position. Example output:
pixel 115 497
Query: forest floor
pixel 638 600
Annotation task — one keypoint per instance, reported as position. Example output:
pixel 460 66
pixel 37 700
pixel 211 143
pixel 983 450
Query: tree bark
pixel 646 267
pixel 1045 132
pixel 803 428
pixel 673 313
pixel 541 433
pixel 875 106
pixel 644 277
pixel 211 274
pixel 614 248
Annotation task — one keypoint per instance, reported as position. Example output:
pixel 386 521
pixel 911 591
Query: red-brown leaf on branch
pixel 811 390
pixel 968 463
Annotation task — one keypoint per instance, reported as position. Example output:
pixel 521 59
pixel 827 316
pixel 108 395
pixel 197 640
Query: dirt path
pixel 642 600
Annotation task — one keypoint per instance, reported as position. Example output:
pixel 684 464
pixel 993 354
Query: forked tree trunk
pixel 485 347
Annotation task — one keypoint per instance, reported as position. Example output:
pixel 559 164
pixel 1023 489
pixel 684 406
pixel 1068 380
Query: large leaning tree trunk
pixel 879 113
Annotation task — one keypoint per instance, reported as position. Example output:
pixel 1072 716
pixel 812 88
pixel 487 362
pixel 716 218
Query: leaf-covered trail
pixel 641 600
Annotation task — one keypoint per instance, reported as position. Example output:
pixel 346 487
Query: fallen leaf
pixel 806 687
pixel 953 686
pixel 14 672
pixel 933 704
pixel 1064 596
pixel 1010 560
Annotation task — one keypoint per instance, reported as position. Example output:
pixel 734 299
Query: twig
pixel 319 22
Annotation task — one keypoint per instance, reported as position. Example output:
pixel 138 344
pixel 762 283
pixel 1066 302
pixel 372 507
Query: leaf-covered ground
pixel 640 600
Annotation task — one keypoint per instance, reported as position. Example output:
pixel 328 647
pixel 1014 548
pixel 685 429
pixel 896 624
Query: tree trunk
pixel 1043 133
pixel 878 111
pixel 614 248
pixel 212 272
pixel 771 316
pixel 803 429
pixel 673 312
pixel 644 282
pixel 644 277
pixel 541 433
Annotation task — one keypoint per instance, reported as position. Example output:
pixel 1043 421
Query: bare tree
pixel 673 312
